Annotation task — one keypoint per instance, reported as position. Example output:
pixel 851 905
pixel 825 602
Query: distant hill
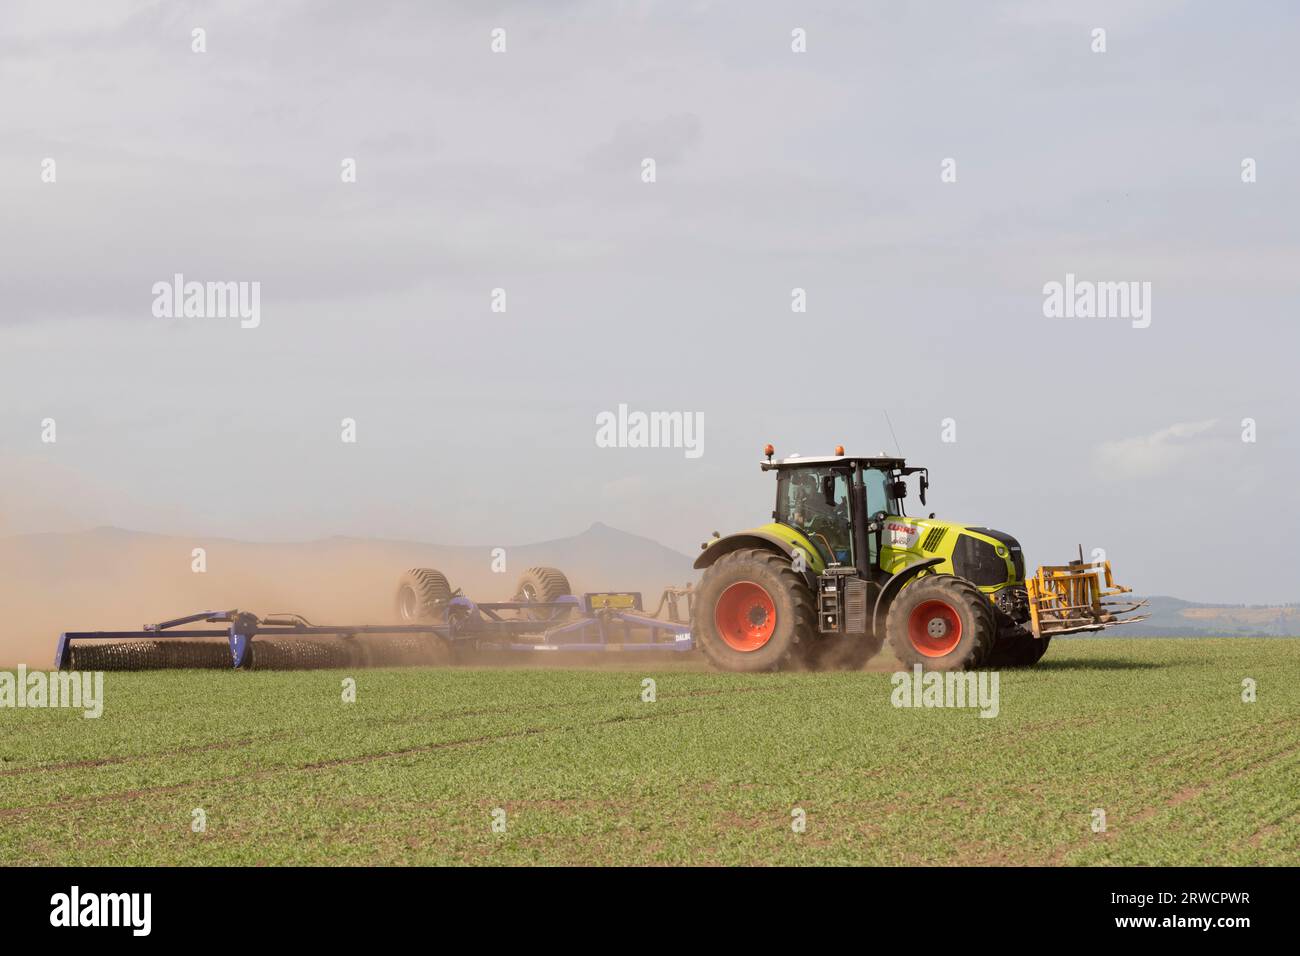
pixel 1174 617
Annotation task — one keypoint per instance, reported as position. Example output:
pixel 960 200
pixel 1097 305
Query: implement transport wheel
pixel 422 596
pixel 942 622
pixel 543 585
pixel 750 609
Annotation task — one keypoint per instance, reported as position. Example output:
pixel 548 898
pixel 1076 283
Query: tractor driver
pixel 826 523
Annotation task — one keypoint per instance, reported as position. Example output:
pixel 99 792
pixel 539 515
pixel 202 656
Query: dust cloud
pixel 114 579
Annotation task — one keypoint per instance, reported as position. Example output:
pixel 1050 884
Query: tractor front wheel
pixel 1024 650
pixel 942 622
pixel 750 610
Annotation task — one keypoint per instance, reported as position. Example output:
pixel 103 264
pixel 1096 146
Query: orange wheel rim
pixel 745 616
pixel 934 628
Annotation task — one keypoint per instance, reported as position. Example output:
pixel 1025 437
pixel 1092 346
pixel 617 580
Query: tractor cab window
pixel 877 484
pixel 815 501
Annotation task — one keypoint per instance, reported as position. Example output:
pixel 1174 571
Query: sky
pixel 828 170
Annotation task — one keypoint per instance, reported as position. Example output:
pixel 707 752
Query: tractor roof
pixel 881 462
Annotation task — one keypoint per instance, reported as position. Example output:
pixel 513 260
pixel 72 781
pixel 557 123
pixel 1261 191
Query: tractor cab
pixel 839 503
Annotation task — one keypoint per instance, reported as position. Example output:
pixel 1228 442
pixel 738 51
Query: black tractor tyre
pixel 943 623
pixel 1015 645
pixel 751 609
pixel 422 596
pixel 1028 650
pixel 543 585
pixel 1006 645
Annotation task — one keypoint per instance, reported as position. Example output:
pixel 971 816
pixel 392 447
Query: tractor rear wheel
pixel 543 586
pixel 422 595
pixel 750 610
pixel 942 622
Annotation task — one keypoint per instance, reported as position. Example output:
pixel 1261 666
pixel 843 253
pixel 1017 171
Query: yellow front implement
pixel 1068 599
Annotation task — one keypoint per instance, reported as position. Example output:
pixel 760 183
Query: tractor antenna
pixel 891 433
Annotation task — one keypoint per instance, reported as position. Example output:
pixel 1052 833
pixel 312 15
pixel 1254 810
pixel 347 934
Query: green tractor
pixel 842 568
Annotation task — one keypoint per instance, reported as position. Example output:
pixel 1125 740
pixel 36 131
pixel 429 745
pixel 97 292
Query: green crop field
pixel 1152 732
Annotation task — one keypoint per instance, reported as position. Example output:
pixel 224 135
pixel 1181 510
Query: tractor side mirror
pixel 898 489
pixel 924 483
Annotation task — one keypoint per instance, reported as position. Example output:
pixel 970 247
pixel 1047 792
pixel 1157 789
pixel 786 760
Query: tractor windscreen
pixel 815 501
pixel 878 500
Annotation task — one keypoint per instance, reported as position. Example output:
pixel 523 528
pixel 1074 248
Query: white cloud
pixel 1147 455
